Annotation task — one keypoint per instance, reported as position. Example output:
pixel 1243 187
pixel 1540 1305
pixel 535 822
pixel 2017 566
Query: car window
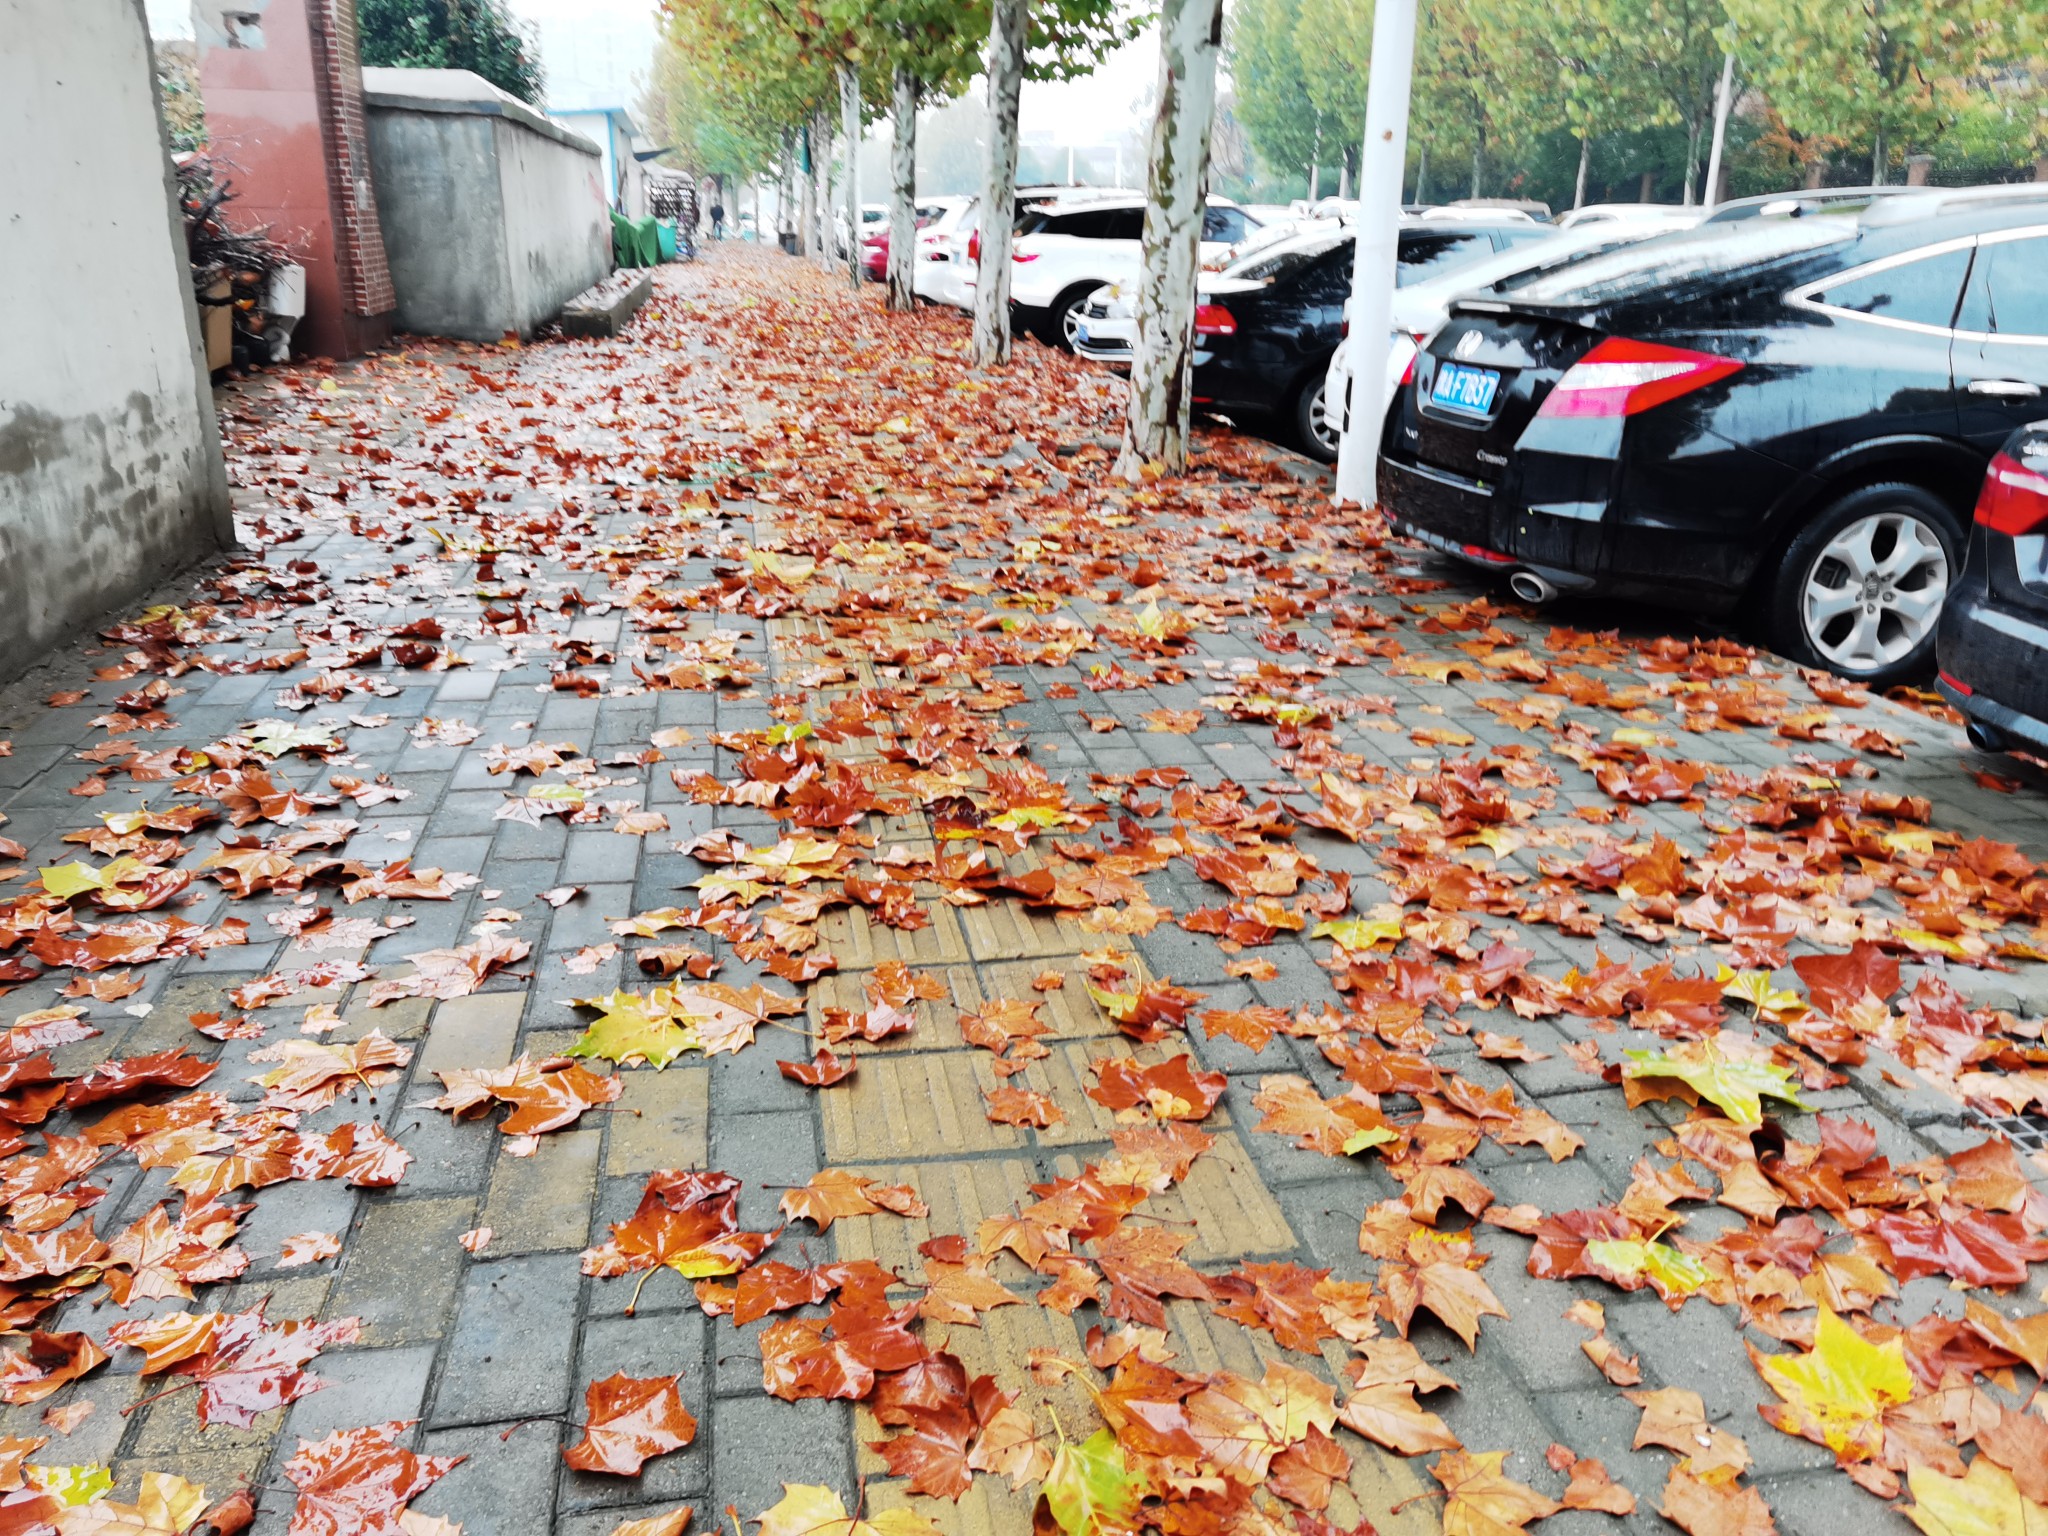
pixel 1225 224
pixel 1513 236
pixel 1426 254
pixel 2007 296
pixel 1327 279
pixel 1922 292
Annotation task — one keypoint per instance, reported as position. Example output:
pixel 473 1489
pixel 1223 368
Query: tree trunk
pixel 1163 359
pixel 1478 163
pixel 1692 161
pixel 849 113
pixel 1585 157
pixel 821 179
pixel 1344 178
pixel 1006 34
pixel 902 189
pixel 807 190
pixel 1315 183
pixel 1879 161
pixel 1315 162
pixel 1422 175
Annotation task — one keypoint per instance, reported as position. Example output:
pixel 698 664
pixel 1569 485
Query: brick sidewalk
pixel 491 1352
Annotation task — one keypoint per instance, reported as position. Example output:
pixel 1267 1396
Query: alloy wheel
pixel 1874 592
pixel 1070 322
pixel 1320 427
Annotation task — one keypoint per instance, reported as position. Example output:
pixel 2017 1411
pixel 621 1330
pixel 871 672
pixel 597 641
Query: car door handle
pixel 2010 389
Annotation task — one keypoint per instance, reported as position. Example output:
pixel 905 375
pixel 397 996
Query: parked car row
pixel 1786 416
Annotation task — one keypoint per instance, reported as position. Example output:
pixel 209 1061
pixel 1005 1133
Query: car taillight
pixel 1214 320
pixel 1408 373
pixel 1625 378
pixel 974 246
pixel 1023 255
pixel 2014 499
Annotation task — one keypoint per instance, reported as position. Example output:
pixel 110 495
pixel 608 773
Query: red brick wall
pixel 365 279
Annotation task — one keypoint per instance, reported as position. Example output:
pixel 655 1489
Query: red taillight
pixel 1023 255
pixel 1625 378
pixel 1408 373
pixel 1214 320
pixel 2014 499
pixel 1491 557
pixel 1958 684
pixel 974 246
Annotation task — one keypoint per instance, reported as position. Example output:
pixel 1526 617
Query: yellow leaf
pixel 1836 1393
pixel 1984 1501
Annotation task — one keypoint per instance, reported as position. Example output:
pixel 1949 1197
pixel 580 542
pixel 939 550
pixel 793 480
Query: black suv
pixel 1796 411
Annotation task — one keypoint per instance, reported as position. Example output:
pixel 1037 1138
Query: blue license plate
pixel 1468 391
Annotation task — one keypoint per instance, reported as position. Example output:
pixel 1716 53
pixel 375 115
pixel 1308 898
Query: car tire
pixel 1057 328
pixel 1860 587
pixel 1313 429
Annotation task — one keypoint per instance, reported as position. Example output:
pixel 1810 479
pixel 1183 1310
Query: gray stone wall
pixel 110 462
pixel 493 216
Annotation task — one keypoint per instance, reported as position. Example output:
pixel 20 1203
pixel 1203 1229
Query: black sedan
pixel 1792 414
pixel 1265 329
pixel 1994 629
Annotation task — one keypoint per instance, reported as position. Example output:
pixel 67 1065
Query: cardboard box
pixel 217 325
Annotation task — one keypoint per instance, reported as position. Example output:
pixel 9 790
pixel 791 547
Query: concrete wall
pixel 110 462
pixel 493 216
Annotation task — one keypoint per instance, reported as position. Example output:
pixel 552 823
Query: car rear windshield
pixel 1685 260
pixel 1274 265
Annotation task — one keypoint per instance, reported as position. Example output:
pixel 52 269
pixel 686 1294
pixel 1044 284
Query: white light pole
pixel 1720 132
pixel 1380 173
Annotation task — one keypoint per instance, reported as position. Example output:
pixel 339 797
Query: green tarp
pixel 634 242
pixel 666 232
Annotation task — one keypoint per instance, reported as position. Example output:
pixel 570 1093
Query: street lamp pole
pixel 1376 244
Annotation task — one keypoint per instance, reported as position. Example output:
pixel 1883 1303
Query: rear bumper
pixel 2000 655
pixel 1574 546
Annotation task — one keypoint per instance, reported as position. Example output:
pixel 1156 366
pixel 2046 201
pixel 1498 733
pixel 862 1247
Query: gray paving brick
pixel 401 1269
pixel 543 1201
pixel 508 1355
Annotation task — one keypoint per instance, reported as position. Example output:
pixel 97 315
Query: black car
pixel 1994 628
pixel 1266 328
pixel 1793 413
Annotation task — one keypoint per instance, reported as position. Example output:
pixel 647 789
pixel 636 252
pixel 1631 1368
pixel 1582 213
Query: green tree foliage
pixel 1890 76
pixel 1510 94
pixel 477 35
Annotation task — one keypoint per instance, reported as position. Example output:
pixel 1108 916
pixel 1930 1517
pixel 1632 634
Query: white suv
pixel 1064 252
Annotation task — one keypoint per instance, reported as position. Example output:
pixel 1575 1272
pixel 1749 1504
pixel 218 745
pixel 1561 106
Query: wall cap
pixel 463 92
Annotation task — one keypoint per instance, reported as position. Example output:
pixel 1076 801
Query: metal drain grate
pixel 2027 1132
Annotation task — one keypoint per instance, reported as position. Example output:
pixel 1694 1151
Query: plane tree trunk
pixel 1007 31
pixel 1163 360
pixel 903 189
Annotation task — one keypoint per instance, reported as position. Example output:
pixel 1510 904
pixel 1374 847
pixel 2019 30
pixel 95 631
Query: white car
pixel 1067 250
pixel 1108 326
pixel 1421 307
pixel 1661 215
pixel 873 216
pixel 947 250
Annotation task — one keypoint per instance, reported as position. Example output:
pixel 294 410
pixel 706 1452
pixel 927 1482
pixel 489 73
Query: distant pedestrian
pixel 718 221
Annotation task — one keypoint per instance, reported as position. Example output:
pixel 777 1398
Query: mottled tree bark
pixel 821 186
pixel 849 124
pixel 1163 360
pixel 903 190
pixel 1006 36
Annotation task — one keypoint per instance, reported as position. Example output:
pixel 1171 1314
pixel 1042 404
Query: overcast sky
pixel 595 51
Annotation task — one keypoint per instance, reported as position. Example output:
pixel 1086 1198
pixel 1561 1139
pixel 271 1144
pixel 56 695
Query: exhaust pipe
pixel 1984 738
pixel 1530 587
